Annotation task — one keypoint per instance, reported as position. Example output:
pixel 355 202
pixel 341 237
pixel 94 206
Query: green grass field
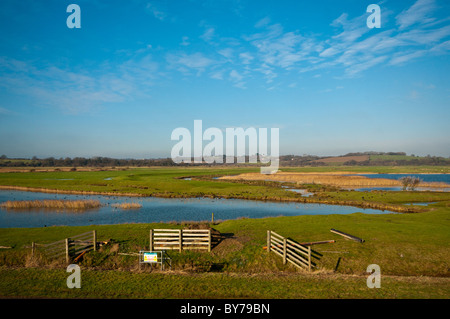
pixel 411 249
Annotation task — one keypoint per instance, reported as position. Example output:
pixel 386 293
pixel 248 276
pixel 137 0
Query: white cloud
pixel 424 36
pixel 418 13
pixel 217 75
pixel 208 34
pixel 277 48
pixel 237 79
pixel 78 91
pixel 227 52
pixel 262 23
pixel 268 72
pixel 368 63
pixel 441 48
pixel 404 58
pixel 184 62
pixel 352 47
pixel 235 76
pixel 156 12
pixel 246 57
pixel 185 41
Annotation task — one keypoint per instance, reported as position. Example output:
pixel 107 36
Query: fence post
pixel 268 241
pixel 309 258
pixel 67 250
pixel 33 248
pixel 180 234
pixel 284 250
pixel 94 239
pixel 209 240
pixel 151 240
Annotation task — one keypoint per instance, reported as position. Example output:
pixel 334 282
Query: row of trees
pixel 285 160
pixel 84 162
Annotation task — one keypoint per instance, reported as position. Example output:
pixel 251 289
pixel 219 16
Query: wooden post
pixel 180 234
pixel 284 250
pixel 346 235
pixel 67 251
pixel 268 241
pixel 309 258
pixel 33 248
pixel 209 240
pixel 151 240
pixel 212 218
pixel 94 239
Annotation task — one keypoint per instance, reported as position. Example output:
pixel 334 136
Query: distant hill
pixel 344 159
pixel 364 159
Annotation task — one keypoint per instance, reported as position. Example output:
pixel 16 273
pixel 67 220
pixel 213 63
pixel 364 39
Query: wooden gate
pixel 69 248
pixel 180 239
pixel 289 250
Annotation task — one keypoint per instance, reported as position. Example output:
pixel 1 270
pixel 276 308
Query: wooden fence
pixel 180 239
pixel 291 251
pixel 70 248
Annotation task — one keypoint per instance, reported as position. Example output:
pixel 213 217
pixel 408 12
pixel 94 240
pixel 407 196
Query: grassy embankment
pixel 409 246
pixel 411 249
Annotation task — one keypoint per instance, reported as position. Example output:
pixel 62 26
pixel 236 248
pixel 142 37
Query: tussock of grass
pixel 50 203
pixel 127 205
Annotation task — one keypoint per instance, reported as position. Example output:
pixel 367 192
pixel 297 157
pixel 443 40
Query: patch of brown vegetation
pixel 343 159
pixel 50 203
pixel 334 179
pixel 127 205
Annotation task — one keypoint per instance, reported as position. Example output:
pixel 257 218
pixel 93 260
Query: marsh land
pixel 410 245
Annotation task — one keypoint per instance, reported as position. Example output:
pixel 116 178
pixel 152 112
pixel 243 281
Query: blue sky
pixel 136 70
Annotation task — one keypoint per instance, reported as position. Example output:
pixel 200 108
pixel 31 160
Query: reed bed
pixel 327 179
pixel 50 203
pixel 127 205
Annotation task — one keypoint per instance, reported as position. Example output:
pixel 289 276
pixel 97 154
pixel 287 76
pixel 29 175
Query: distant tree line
pixel 83 162
pixel 431 161
pixel 305 160
pixel 285 160
pixel 375 153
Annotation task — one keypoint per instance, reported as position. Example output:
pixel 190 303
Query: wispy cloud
pixel 77 91
pixel 237 79
pixel 189 62
pixel 403 58
pixel 271 51
pixel 351 48
pixel 246 58
pixel 156 12
pixel 4 111
pixel 419 13
pixel 208 34
pixel 185 41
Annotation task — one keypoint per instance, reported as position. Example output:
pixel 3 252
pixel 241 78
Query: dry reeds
pixel 127 205
pixel 326 179
pixel 49 203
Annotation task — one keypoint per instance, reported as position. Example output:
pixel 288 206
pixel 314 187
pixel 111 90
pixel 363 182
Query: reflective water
pixel 426 178
pixel 445 178
pixel 157 210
